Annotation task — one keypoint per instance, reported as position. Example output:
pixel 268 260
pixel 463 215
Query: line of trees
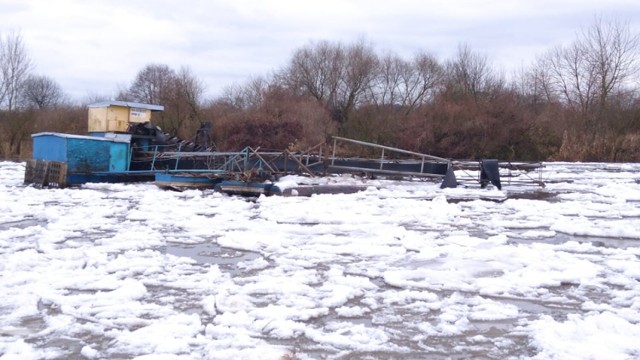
pixel 578 101
pixel 29 102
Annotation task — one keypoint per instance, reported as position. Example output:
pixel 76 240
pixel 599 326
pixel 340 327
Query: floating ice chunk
pixel 346 335
pixel 89 352
pixel 256 264
pixel 289 181
pixel 21 350
pixel 493 310
pixel 623 228
pixel 351 311
pixel 596 336
pixel 620 192
pixel 537 234
pixel 171 335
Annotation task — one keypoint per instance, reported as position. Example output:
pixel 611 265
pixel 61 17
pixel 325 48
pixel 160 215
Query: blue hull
pixel 184 181
pixel 246 189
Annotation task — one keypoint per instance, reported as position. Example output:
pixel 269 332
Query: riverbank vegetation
pixel 576 102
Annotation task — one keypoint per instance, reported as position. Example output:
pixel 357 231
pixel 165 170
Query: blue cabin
pixel 87 158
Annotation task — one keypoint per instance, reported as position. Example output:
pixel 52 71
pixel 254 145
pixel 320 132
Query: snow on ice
pixel 399 270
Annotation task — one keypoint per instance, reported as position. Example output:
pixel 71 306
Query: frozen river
pixel 403 270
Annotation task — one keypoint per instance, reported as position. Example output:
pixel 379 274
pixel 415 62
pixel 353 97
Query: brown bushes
pixel 599 147
pixel 281 120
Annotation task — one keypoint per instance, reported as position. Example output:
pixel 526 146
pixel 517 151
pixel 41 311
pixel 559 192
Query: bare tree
pixel 385 89
pixel 536 82
pixel 360 68
pixel 420 81
pixel 611 50
pixel 337 76
pixel 470 74
pixel 15 66
pixel 153 84
pixel 315 70
pixel 188 90
pixel 405 84
pixel 572 79
pixel 39 91
pixel 179 92
pixel 588 72
pixel 247 96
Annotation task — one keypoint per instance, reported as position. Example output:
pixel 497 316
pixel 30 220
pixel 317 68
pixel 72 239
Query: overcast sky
pixel 91 47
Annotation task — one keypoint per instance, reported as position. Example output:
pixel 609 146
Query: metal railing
pixel 385 161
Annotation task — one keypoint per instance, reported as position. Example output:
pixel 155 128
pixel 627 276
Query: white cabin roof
pixel 128 104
